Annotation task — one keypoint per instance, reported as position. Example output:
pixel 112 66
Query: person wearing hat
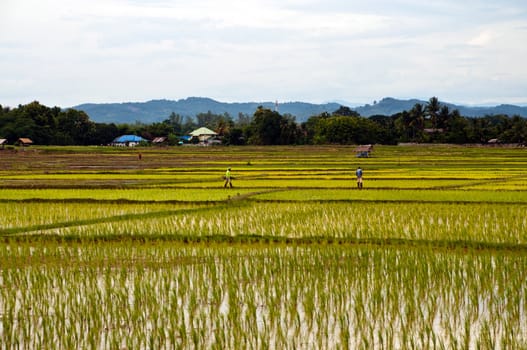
pixel 228 178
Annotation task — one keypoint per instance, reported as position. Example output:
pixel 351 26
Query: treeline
pixel 429 123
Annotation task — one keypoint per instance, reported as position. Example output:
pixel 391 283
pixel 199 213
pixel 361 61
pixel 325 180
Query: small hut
pixel 363 151
pixel 3 142
pixel 24 142
pixel 493 142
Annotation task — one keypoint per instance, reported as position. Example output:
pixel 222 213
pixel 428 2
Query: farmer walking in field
pixel 359 178
pixel 228 178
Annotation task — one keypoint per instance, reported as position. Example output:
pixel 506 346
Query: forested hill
pixel 159 110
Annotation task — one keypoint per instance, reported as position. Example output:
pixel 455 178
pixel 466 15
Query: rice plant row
pixel 165 296
pixel 436 223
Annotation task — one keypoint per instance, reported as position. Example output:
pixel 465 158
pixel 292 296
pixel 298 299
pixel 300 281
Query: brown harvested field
pixel 108 158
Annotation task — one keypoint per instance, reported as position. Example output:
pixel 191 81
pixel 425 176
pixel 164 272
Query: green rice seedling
pixel 391 195
pixel 431 224
pixel 101 261
pixel 42 213
pixel 151 195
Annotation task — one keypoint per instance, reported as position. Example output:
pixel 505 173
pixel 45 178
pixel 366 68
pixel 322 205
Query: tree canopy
pixel 431 122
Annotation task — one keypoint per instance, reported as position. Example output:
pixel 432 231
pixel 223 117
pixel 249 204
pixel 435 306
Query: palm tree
pixel 432 110
pixel 444 117
pixel 416 122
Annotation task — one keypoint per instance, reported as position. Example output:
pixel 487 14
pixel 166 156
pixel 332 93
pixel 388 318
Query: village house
pixel 205 136
pixel 128 141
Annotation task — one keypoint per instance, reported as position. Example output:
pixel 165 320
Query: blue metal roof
pixel 129 138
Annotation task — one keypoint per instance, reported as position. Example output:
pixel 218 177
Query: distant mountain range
pixel 159 110
pixel 390 106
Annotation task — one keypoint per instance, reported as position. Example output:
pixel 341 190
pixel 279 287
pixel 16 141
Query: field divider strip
pixel 467 186
pixel 417 201
pixel 249 240
pixel 235 197
pixel 112 201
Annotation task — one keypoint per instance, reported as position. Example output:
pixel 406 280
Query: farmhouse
pixel 204 135
pixel 363 151
pixel 128 141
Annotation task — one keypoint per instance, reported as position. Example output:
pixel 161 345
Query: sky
pixel 68 52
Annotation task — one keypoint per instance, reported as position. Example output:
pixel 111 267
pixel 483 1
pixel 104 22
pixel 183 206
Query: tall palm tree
pixel 444 117
pixel 416 121
pixel 432 110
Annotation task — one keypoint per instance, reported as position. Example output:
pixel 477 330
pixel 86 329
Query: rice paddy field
pixel 102 250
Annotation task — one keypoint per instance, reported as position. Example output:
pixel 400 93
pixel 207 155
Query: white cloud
pixel 313 50
pixel 483 38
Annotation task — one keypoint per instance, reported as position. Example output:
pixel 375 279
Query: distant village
pixel 36 124
pixel 202 136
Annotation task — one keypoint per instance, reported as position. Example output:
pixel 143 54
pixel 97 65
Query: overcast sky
pixel 68 52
